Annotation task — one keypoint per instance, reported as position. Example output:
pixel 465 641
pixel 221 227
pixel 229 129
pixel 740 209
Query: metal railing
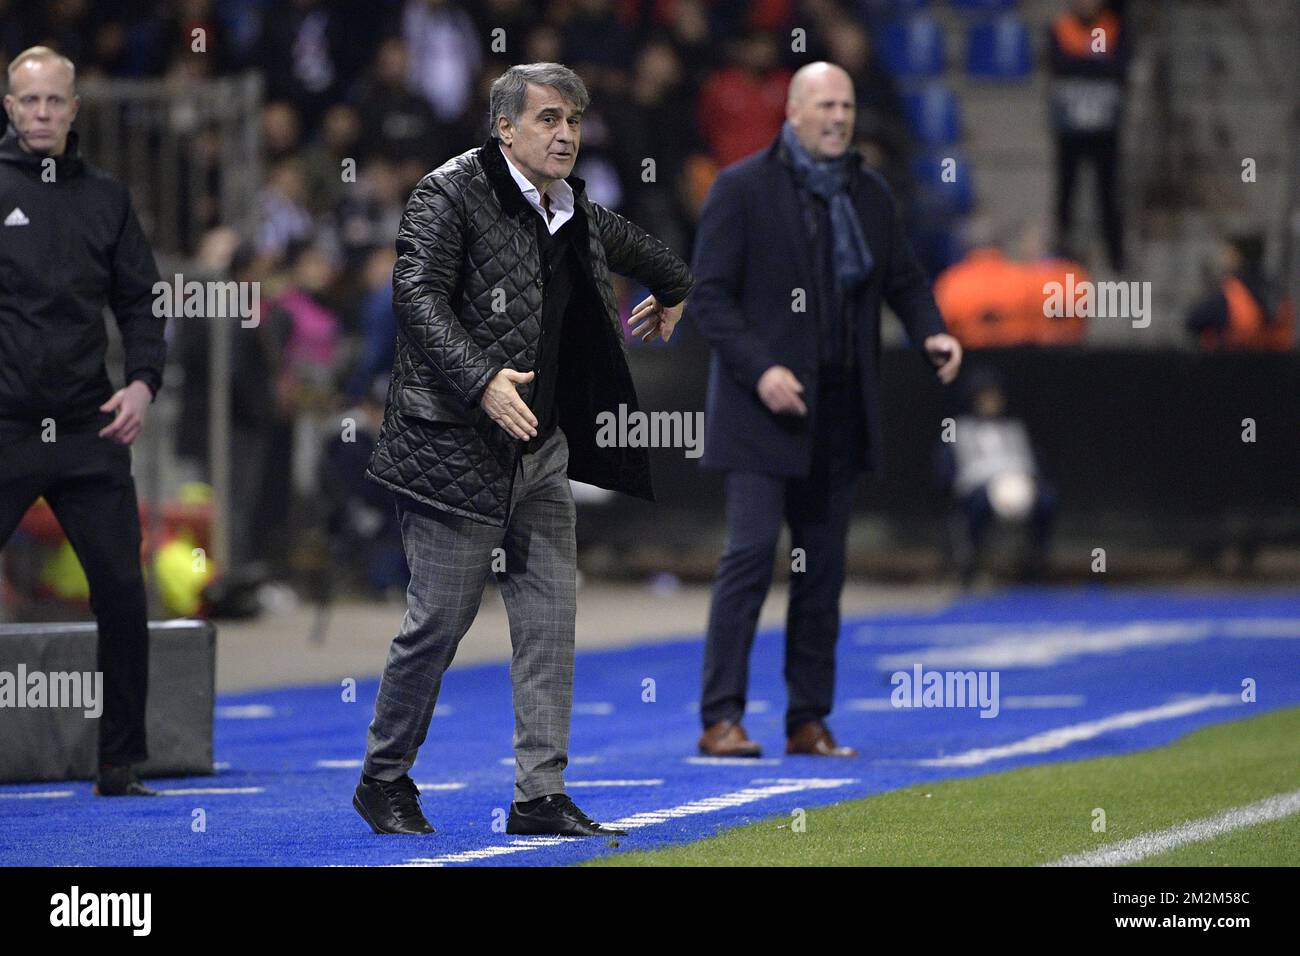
pixel 175 143
pixel 189 152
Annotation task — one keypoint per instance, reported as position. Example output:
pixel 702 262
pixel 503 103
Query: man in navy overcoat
pixel 798 247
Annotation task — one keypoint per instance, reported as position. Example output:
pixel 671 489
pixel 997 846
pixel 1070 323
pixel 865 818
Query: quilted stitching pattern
pixel 467 291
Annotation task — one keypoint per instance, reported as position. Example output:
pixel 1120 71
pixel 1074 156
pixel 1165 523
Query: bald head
pixel 820 108
pixel 42 100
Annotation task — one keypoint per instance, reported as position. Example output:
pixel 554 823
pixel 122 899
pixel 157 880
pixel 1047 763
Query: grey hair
pixel 510 90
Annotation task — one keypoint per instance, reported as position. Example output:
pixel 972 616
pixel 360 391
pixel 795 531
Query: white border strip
pixel 613 783
pixel 1062 737
pixel 35 794
pixel 1194 831
pixel 726 801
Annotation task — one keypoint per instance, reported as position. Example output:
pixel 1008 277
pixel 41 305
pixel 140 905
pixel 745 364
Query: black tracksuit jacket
pixel 70 244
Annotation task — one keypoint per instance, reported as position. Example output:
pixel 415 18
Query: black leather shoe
pixel 555 815
pixel 390 806
pixel 120 782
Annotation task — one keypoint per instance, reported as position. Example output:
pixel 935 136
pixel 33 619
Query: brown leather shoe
pixel 727 738
pixel 814 739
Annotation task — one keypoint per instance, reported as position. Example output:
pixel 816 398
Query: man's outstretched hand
pixel 504 406
pixel 129 403
pixel 945 353
pixel 650 317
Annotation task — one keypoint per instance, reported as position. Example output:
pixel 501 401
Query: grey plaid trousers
pixel 450 557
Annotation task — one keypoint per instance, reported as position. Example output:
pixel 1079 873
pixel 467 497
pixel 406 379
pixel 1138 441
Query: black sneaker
pixel 120 782
pixel 554 814
pixel 390 806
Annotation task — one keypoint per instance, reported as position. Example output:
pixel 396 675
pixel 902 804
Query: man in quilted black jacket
pixel 509 347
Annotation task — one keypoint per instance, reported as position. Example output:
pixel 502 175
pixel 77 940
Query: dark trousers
pixel 87 482
pixel 817 509
pixel 1102 151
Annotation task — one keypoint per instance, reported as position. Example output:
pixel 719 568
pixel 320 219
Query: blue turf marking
pixel 304 815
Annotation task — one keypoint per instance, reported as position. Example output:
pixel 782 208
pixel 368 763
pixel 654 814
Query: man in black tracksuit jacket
pixel 70 244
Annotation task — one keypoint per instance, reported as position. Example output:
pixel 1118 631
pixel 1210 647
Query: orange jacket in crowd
pixel 1248 326
pixel 990 301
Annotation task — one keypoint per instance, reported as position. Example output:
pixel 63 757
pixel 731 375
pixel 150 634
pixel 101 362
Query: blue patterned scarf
pixel 829 179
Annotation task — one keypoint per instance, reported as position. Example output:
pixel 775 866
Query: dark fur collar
pixel 507 190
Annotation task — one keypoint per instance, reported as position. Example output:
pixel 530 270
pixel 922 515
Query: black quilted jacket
pixel 467 290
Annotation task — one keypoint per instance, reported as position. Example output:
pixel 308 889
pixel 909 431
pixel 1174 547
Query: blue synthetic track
pixel 1064 658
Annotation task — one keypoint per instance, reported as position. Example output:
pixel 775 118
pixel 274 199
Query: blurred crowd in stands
pixel 362 99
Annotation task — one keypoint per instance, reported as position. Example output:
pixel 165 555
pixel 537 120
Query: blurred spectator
pixel 654 122
pixel 990 469
pixel 1042 266
pixel 989 300
pixel 200 184
pixel 378 322
pixel 688 25
pixel 196 37
pixel 13 31
pixel 68 26
pixel 285 218
pixel 598 162
pixel 370 211
pixel 311 347
pixel 544 44
pixel 323 161
pixel 1243 311
pixel 302 52
pixel 281 131
pixel 598 46
pixel 445 55
pixel 1088 56
pixel 398 122
pixel 742 106
pixel 305 329
pixel 887 153
pixel 878 105
pixel 252 398
pixel 982 299
pixel 516 17
pixel 360 519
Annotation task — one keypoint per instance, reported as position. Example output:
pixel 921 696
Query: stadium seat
pixel 913 48
pixel 955 198
pixel 883 11
pixel 982 6
pixel 1000 49
pixel 933 115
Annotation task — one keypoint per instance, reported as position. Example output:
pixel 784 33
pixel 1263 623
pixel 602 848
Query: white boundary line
pixel 726 801
pixel 1062 737
pixel 614 783
pixel 1194 831
pixel 959 646
pixel 1049 648
pixel 35 794
pixel 1015 702
pixel 243 711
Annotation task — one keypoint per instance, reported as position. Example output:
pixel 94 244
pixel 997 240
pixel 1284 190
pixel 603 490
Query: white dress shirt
pixel 561 194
